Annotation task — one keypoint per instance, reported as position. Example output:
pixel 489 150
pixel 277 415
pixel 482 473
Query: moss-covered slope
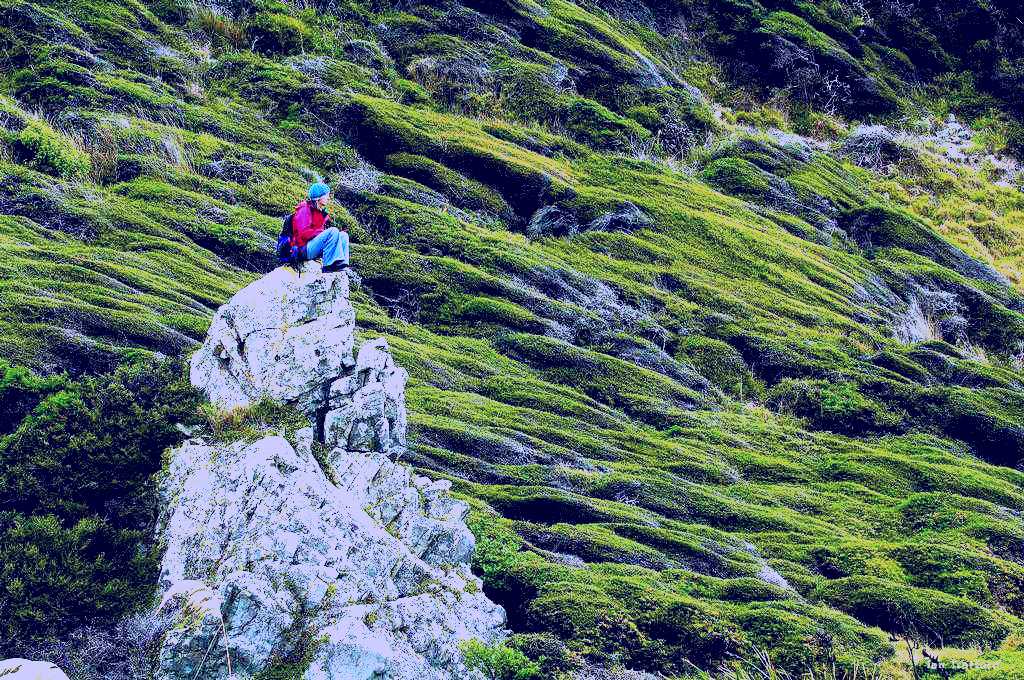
pixel 709 385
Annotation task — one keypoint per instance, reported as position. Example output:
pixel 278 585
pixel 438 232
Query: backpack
pixel 286 252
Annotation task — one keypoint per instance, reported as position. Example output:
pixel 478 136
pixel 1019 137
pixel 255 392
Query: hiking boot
pixel 335 266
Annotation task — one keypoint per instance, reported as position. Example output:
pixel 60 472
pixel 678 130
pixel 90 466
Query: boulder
pixel 366 408
pixel 265 554
pixel 284 337
pixel 23 669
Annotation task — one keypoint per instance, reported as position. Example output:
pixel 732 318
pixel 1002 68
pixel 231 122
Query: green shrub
pixel 552 655
pixel 462 191
pixel 737 177
pixel 526 91
pixel 273 33
pixel 835 406
pixel 594 620
pixel 497 547
pixel 762 118
pixel 498 662
pixel 990 420
pixel 77 500
pixel 50 151
pixel 487 310
pixel 20 391
pixel 249 423
pixel 865 92
pixel 594 124
pixel 879 226
pixel 56 574
pixel 689 631
pixel 722 365
pixel 924 614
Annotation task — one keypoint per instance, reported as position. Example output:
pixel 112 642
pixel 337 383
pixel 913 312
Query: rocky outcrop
pixel 283 337
pixel 318 553
pixel 288 337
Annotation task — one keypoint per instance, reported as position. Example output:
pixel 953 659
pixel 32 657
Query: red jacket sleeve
pixel 303 228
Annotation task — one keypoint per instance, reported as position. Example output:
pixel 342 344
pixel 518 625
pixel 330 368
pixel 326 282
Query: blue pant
pixel 331 243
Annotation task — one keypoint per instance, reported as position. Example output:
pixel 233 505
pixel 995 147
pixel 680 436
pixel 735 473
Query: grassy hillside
pixel 713 383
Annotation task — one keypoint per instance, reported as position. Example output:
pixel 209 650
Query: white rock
pixel 284 336
pixel 23 669
pixel 368 407
pixel 256 534
pixel 261 545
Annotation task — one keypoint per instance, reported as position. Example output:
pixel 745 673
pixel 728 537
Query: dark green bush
pixel 461 190
pixel 737 177
pixel 691 632
pixel 990 420
pixel 551 654
pixel 77 499
pixel 273 33
pixel 878 226
pixel 924 614
pixel 722 365
pixel 47 150
pixel 488 310
pixel 499 662
pixel 594 124
pixel 839 407
pixel 20 391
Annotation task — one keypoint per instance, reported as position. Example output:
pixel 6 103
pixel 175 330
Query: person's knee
pixel 332 233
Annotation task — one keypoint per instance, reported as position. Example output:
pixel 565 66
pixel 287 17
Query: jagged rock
pixel 362 564
pixel 23 669
pixel 258 538
pixel 285 337
pixel 367 408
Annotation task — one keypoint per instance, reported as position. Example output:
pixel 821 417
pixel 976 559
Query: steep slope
pixel 707 385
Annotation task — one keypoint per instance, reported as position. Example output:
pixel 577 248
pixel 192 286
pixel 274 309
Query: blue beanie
pixel 318 190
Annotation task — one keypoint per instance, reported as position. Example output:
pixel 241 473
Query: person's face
pixel 322 202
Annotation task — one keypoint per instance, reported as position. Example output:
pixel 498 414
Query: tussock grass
pixel 685 435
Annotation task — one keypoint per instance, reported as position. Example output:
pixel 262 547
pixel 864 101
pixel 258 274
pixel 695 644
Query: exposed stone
pixel 877 147
pixel 363 563
pixel 283 337
pixel 367 408
pixel 23 669
pixel 258 538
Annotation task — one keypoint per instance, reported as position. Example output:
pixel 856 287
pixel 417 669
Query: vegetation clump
pixel 77 493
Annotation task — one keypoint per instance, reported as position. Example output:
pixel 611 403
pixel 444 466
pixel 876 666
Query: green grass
pixel 681 442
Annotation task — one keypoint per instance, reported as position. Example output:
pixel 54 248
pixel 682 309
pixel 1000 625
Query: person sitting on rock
pixel 311 228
